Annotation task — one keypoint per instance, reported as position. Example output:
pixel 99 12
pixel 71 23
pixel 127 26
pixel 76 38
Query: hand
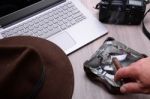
pixel 140 73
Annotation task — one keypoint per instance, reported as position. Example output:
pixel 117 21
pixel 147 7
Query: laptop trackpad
pixel 63 40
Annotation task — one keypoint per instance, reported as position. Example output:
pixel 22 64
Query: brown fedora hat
pixel 34 68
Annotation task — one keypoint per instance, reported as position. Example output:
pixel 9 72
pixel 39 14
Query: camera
pixel 122 11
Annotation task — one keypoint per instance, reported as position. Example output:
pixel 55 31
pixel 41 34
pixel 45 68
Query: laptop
pixel 67 23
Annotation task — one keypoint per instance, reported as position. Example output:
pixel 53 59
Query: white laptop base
pixel 77 35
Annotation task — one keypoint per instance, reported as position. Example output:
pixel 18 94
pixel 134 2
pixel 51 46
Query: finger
pixel 131 88
pixel 126 72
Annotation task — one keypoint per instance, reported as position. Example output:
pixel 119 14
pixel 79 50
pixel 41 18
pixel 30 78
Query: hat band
pixel 38 85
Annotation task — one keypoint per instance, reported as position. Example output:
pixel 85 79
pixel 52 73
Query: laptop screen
pixel 13 10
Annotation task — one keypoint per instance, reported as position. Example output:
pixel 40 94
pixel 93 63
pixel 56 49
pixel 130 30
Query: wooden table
pixel 129 35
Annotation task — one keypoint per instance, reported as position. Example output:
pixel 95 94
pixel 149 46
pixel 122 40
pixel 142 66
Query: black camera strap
pixel 146 32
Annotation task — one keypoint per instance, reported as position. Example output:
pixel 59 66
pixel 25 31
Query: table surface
pixel 129 35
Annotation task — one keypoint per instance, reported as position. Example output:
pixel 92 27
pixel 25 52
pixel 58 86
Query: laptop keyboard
pixel 49 23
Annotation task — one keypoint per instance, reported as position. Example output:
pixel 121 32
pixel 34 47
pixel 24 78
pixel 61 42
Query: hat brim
pixel 59 78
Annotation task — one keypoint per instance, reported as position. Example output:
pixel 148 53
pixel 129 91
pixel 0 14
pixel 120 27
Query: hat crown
pixel 20 70
pixel 53 80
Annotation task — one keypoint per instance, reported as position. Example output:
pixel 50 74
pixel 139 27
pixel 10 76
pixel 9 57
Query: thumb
pixel 132 87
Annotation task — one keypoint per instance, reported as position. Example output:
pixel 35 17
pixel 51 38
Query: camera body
pixel 122 11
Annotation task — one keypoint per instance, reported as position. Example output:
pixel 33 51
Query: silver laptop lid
pixel 13 10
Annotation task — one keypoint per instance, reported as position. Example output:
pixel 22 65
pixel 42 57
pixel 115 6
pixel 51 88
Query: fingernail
pixel 123 89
